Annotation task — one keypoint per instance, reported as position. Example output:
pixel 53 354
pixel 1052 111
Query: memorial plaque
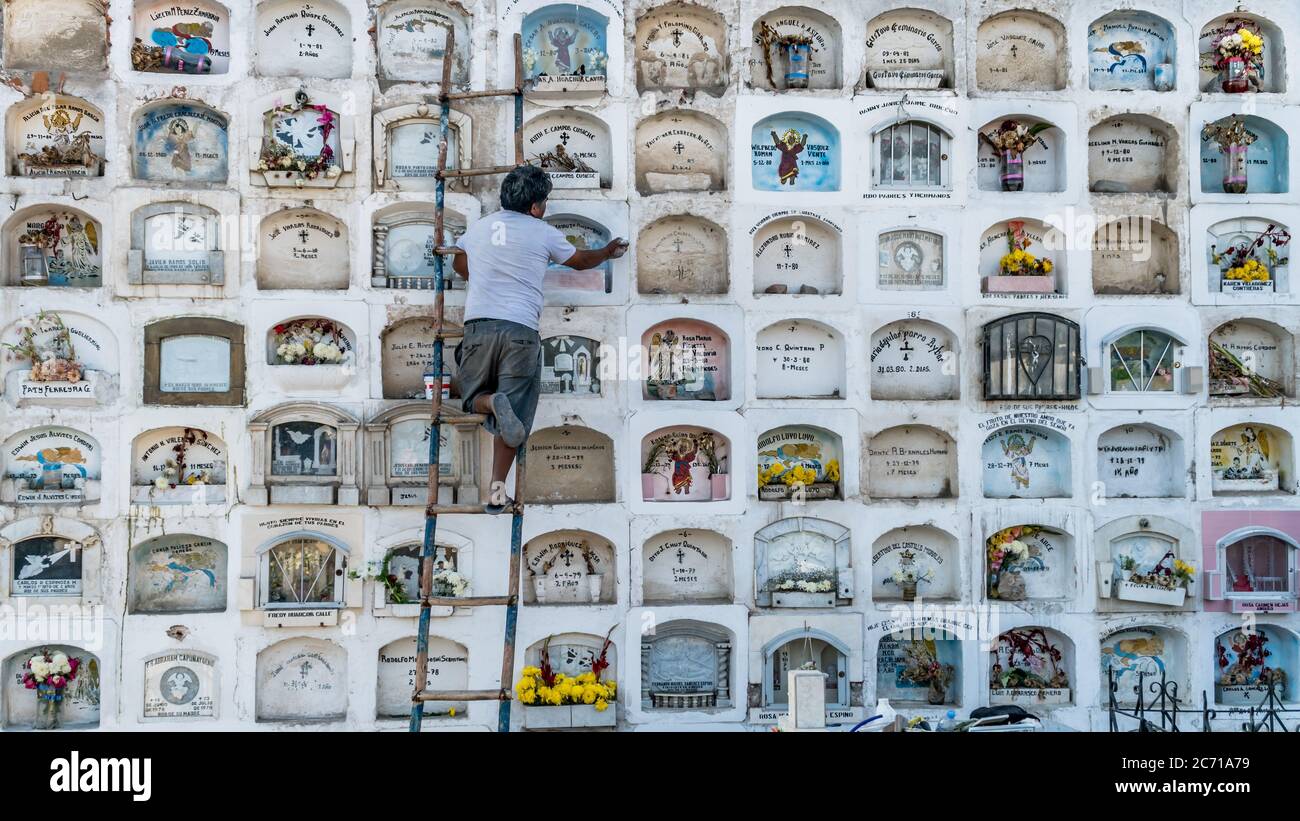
pixel 1046 572
pixel 302 679
pixel 62 248
pixel 189 39
pixel 797 254
pixel 913 359
pixel 571 364
pixel 406 354
pixel 46 566
pixel 179 456
pixel 1026 462
pixel 180 240
pixel 1125 48
pixel 408 443
pixel 178 573
pixel 1136 255
pixel 911 260
pixel 909 48
pixel 919 555
pixel 304 449
pixel 1255 346
pixel 1246 457
pixel 569 465
pixel 688 565
pixel 795 151
pixel 680 151
pixel 682 255
pixel 1137 659
pixel 681 46
pixel 412 153
pixel 1139 461
pixel 769 64
pixel 1251 661
pixel 686 359
pixel 569 567
pixel 304 39
pixel 68 35
pixel 573 148
pixel 404 563
pixel 180 142
pixel 799 358
pixel 411 39
pixel 911 462
pixel 93 343
pixel 1044 241
pixel 194 363
pixel 1020 51
pixel 802 562
pixel 584 235
pixel 180 684
pixel 54 135
pixel 902 664
pixel 302 248
pixel 564 41
pixel 51 465
pixel 1128 155
pixel 447 669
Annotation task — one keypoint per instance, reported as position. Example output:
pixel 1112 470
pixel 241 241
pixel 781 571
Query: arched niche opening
pixel 176 243
pixel 909 49
pixel 1253 569
pixel 1040 269
pixel 397 458
pixel 682 254
pixel 1244 154
pixel 304 453
pixel 1143 360
pixel 680 150
pixel 59 359
pixel 304 570
pixel 1131 51
pixel 681 46
pixel 55 135
pixel 572 655
pixel 1020 50
pixel 1042 163
pixel 411 41
pixel 799 462
pixel 685 463
pixel 801 359
pixel 406 146
pixel 178 573
pixel 1251 358
pixel 302 248
pixel 910 260
pixel 1265 71
pixel 178 465
pixel 911 462
pixel 1135 256
pixel 1249 255
pixel 569 567
pixel 404 246
pixel 919 666
pixel 1141 663
pixel 806 648
pixel 50 245
pixel 1031 356
pixel 302 680
pixel 798 255
pixel 565 49
pixel 686 665
pixel 70 36
pixel 1026 462
pixel 572 147
pixel 1132 154
pixel 448 666
pixel 307 140
pixel 80 706
pixel 1248 663
pixel 911 155
pixel 1032 667
pixel 1029 562
pixel 686 359
pixel 795 47
pixel 181 141
pixel 585 234
pixel 686 566
pixel 916 561
pixel 571 465
pixel 1251 458
pixel 914 359
pixel 795 151
pixel 571 365
pixel 50 558
pixel 398 592
pixel 189 39
pixel 297 38
pixel 51 465
pixel 1141 461
pixel 310 353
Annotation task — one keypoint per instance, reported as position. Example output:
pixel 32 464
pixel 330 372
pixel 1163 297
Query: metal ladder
pixel 440 416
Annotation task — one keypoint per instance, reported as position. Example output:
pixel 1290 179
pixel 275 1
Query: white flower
pixel 333 171
pixel 161 483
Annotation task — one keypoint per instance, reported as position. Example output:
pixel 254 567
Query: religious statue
pixel 791 144
pixel 562 38
pixel 682 459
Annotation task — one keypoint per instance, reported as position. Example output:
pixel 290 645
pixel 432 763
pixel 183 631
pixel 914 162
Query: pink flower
pixel 58 681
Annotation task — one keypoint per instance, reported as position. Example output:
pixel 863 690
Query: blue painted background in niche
pixel 181 142
pixel 1124 49
pixel 804 155
pixel 568 39
pixel 1266 161
pixel 1026 462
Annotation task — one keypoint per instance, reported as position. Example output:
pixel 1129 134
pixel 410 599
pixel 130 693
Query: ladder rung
pixel 463 695
pixel 492 92
pixel 477 172
pixel 454 418
pixel 469 601
pixel 449 249
pixel 449 333
pixel 434 510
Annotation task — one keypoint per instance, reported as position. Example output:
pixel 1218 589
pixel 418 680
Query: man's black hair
pixel 524 187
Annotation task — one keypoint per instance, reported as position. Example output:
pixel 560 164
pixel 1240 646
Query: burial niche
pixel 1022 256
pixel 909 259
pixel 1250 458
pixel 1145 565
pixel 405 248
pixel 298 38
pixel 1134 256
pixel 799 359
pixel 681 46
pixel 799 462
pixel 1131 51
pixel 1247 255
pixel 571 365
pixel 304 142
pixel 1030 666
pixel 302 571
pixel 806 649
pixel 406 139
pixel 302 680
pixel 687 566
pixel 917 561
pixel 795 151
pixel 1132 154
pixel 686 359
pixel 911 155
pixel 1141 461
pixel 80 705
pixel 909 49
pixel 302 248
pixel 682 254
pixel 1233 68
pixel 803 562
pixel 569 464
pixel 911 462
pixel 178 573
pixel 913 359
pixel 1251 663
pixel 919 665
pixel 794 47
pixel 584 234
pixel 51 465
pixel 59 360
pixel 797 255
pixel 406 353
pixel 194 361
pixel 685 463
pixel 180 141
pixel 446 669
pixel 1038 167
pixel 397 447
pixel 569 567
pixel 54 246
pixel 686 665
pixel 1143 360
pixel 1020 51
pixel 565 50
pixel 310 353
pixel 1028 562
pixel 55 135
pixel 180 684
pixel 304 453
pixel 67 35
pixel 178 465
pixel 1142 663
pixel 1251 358
pixel 46 557
pixel 1241 154
pixel 1026 462
pixel 189 39
pixel 176 243
pixel 571 655
pixel 397 593
pixel 572 147
pixel 411 41
pixel 1255 571
pixel 1031 356
pixel 680 150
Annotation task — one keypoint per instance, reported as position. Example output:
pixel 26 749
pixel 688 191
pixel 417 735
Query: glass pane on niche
pixel 46 566
pixel 305 449
pixel 176 241
pixel 301 572
pixel 195 363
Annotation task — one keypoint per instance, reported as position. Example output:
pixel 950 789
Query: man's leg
pixel 503 456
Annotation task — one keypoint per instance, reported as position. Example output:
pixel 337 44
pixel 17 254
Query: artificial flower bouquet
pixel 46 343
pixel 311 342
pixel 546 693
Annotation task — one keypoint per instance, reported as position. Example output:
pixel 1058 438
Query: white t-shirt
pixel 508 255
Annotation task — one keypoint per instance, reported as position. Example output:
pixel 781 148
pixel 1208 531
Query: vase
pixel 49 701
pixel 1164 77
pixel 938 692
pixel 796 65
pixel 1013 170
pixel 595 582
pixel 1235 80
pixel 909 591
pixel 1234 169
pixel 1011 587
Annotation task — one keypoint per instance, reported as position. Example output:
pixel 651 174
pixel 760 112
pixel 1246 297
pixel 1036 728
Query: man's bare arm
pixel 460 264
pixel 590 258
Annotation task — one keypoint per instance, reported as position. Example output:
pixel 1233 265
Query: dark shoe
pixel 495 509
pixel 509 428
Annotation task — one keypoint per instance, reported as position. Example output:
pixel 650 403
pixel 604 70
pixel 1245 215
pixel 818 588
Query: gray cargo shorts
pixel 500 356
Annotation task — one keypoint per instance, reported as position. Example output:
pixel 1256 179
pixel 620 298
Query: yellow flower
pixel 452 712
pixel 833 470
pixel 1047 266
pixel 601 706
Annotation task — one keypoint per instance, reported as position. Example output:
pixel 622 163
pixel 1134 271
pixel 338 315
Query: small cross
pixel 1013 52
pixel 678 244
pixel 302 235
pixel 567 555
pixel 677 37
pixel 304 669
pixel 789 249
pixel 310 28
pixel 681 555
pixel 564 138
pixel 679 148
pixel 906 348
